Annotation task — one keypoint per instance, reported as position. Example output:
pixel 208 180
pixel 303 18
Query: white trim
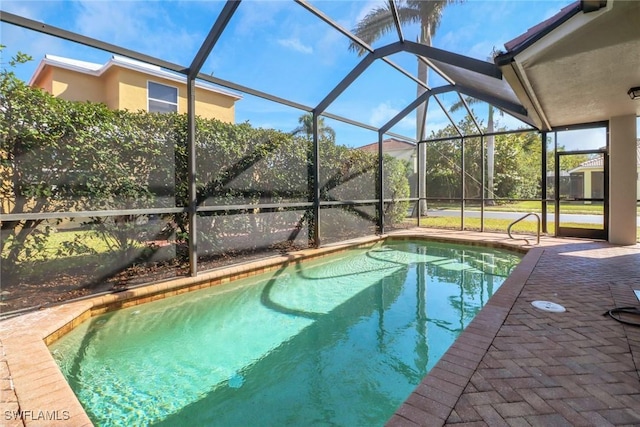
pixel 97 70
pixel 529 56
pixel 531 94
pixel 551 39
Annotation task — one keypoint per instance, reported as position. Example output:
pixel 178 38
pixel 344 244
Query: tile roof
pixel 544 26
pixel 538 31
pixel 597 162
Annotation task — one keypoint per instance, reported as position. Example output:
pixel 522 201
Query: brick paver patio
pixel 514 365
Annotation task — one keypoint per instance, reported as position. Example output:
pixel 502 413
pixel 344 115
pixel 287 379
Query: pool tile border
pixel 44 397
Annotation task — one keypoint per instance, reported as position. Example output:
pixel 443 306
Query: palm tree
pixel 490 138
pixel 490 144
pixel 306 127
pixel 380 22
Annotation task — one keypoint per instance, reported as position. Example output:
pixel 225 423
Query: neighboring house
pixel 126 84
pixel 396 148
pixel 587 178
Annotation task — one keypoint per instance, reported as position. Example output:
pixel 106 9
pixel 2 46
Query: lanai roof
pixel 463 75
pixel 577 66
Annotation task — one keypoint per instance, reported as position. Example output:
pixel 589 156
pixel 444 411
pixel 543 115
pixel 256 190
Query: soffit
pixel 581 71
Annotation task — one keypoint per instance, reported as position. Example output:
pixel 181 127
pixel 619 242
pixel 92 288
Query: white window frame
pixel 149 98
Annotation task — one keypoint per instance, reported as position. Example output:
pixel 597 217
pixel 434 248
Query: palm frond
pixel 459 105
pixel 379 22
pixel 430 11
pixel 374 25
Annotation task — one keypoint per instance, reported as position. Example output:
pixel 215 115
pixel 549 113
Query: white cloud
pixel 33 44
pixel 257 16
pixel 509 122
pixel 437 120
pixel 384 112
pixel 332 47
pixel 456 40
pixel 481 50
pixel 28 10
pixel 103 21
pixel 381 114
pixel 367 7
pixel 142 26
pixel 294 43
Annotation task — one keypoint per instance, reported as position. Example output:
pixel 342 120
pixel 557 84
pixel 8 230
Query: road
pixel 575 218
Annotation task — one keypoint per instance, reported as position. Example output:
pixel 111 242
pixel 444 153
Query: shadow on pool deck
pixel 513 365
pixel 517 365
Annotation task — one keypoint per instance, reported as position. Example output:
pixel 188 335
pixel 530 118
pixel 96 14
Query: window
pixel 162 98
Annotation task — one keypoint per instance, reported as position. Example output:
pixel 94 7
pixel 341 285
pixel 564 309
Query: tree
pixel 380 22
pixel 490 138
pixel 306 128
pixel 517 171
pixel 59 156
pixel 490 144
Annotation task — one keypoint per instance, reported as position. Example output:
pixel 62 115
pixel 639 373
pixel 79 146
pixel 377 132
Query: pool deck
pixel 514 365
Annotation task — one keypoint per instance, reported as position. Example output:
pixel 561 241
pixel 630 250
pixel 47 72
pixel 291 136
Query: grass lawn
pixel 58 239
pixel 531 206
pixel 498 225
pixel 528 206
pixel 99 249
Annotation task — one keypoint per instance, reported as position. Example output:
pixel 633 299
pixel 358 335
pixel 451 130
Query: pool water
pixel 341 340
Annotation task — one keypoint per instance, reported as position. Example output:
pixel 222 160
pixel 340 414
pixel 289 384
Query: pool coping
pixel 43 396
pixel 433 400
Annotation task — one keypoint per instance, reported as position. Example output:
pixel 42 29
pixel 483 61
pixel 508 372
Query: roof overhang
pixel 577 66
pixel 97 70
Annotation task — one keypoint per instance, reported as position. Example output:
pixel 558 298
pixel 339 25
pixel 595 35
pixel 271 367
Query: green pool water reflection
pixel 342 340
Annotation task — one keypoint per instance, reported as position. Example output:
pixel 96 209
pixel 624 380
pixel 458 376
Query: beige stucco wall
pixel 132 90
pixel 44 80
pixel 75 86
pixel 110 88
pixel 211 105
pixel 587 180
pixel 622 180
pixel 125 89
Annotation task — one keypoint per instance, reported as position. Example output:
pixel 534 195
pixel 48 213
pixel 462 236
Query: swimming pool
pixel 339 340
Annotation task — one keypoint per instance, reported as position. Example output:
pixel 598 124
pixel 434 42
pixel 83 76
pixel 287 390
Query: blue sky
pixel 279 48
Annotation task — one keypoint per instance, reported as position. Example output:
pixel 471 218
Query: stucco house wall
pixel 123 84
pixel 67 84
pixel 110 83
pixel 588 167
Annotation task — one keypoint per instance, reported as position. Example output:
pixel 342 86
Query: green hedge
pixel 59 155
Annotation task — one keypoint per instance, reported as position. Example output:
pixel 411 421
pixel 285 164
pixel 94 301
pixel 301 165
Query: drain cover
pixel 549 306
